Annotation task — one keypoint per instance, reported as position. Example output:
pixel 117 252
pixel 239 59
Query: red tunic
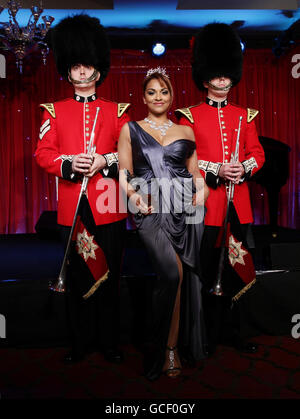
pixel 216 133
pixel 65 131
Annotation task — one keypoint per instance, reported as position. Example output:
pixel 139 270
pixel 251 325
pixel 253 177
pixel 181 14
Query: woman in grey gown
pixel 166 193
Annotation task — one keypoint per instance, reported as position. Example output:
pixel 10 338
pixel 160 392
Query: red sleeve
pixel 47 152
pixel 121 121
pixel 112 159
pixel 184 121
pixel 254 152
pixel 212 179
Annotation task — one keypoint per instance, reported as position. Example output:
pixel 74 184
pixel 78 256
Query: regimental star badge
pixel 86 246
pixel 235 252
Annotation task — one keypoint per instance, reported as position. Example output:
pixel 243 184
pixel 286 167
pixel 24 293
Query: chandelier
pixel 21 40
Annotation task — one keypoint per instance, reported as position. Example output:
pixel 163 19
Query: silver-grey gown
pixel 175 227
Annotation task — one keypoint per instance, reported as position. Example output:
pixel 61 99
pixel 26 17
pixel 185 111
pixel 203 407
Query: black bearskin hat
pixel 80 39
pixel 216 52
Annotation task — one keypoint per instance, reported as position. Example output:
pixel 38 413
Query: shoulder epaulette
pixel 50 108
pixel 122 107
pixel 251 114
pixel 195 106
pixel 187 113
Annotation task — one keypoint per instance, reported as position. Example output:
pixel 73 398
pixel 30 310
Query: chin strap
pixel 223 89
pixel 88 80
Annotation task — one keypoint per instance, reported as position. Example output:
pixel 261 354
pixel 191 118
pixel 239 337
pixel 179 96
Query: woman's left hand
pixel 198 198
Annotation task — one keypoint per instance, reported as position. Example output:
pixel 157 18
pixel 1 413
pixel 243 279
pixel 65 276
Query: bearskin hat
pixel 80 39
pixel 216 52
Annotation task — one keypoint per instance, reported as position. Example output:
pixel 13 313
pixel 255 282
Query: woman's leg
pixel 163 299
pixel 172 364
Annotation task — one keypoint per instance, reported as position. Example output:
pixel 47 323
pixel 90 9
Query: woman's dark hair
pixel 162 79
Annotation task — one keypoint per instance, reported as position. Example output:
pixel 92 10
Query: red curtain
pixel 267 85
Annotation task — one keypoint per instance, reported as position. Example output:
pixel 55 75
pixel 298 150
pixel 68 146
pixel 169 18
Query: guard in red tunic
pixel 68 127
pixel 65 134
pixel 215 125
pixel 216 67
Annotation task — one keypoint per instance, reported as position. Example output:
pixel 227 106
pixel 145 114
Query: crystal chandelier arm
pixel 20 40
pixel 16 27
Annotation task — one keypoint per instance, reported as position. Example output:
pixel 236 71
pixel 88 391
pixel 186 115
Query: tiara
pixel 159 70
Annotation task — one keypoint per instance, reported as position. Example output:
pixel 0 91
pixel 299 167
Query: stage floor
pixel 35 315
pixel 36 256
pixel 39 374
pixel 37 338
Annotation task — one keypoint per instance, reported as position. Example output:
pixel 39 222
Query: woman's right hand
pixel 136 201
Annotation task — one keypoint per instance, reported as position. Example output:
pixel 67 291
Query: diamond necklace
pixel 162 128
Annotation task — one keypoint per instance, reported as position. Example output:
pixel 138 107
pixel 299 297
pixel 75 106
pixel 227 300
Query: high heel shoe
pixel 172 371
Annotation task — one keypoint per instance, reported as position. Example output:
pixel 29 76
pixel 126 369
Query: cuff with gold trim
pixel 66 167
pixel 211 172
pixel 111 158
pixel 112 165
pixel 249 165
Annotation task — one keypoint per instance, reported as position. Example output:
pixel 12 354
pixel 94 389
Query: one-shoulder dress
pixel 176 227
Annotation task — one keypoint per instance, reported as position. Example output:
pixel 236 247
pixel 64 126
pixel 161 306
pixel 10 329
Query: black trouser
pixel 95 322
pixel 221 316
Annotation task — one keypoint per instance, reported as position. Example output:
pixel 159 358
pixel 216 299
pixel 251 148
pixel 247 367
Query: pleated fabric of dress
pixel 175 227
